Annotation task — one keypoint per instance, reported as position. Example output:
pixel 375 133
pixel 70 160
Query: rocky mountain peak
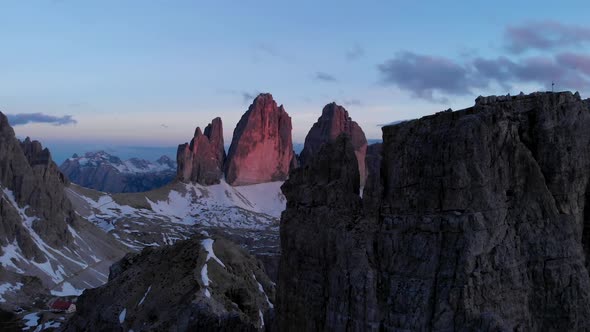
pixel 333 122
pixel 262 147
pixel 463 199
pixel 202 159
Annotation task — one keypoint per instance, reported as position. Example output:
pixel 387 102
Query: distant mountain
pixel 105 172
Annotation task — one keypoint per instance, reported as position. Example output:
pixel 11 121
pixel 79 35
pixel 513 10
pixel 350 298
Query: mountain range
pixel 467 220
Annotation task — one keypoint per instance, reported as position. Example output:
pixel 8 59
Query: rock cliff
pixel 200 284
pixel 202 160
pixel 333 122
pixel 482 224
pixel 261 149
pixel 42 239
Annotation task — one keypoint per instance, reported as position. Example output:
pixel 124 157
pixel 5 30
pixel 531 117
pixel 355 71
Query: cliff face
pixel 28 177
pixel 202 160
pixel 333 122
pixel 262 148
pixel 482 223
pixel 44 244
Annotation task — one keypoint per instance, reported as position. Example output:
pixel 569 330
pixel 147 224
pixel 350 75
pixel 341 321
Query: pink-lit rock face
pixel 202 160
pixel 262 148
pixel 333 122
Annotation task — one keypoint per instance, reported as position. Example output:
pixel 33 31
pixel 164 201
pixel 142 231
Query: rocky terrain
pixel 46 248
pixel 202 160
pixel 261 149
pixel 248 215
pixel 333 122
pixel 481 223
pixel 204 284
pixel 104 172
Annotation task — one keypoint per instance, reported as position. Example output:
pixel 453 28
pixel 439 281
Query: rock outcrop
pixel 200 284
pixel 333 122
pixel 261 149
pixel 42 239
pixel 202 160
pixel 105 172
pixel 482 224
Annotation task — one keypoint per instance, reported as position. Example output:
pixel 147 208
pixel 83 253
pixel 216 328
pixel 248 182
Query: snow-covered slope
pixel 248 215
pixel 65 270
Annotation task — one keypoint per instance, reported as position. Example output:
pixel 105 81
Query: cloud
pixel 352 102
pixel 435 78
pixel 566 70
pixel 249 96
pixel 578 62
pixel 25 118
pixel 425 75
pixel 321 76
pixel 544 35
pixel 355 53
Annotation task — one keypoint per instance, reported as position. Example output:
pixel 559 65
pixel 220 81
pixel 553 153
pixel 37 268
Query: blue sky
pixel 146 73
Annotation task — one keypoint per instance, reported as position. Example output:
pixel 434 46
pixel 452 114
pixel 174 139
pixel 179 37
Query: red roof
pixel 61 305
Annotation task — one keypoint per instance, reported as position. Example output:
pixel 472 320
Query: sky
pixel 79 75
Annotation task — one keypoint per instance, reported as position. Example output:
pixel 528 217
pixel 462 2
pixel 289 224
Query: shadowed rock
pixel 482 224
pixel 333 122
pixel 190 286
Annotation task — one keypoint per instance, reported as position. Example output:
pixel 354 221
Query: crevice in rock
pixel 586 226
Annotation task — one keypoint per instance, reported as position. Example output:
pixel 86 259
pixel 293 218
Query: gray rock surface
pixel 261 149
pixel 202 160
pixel 482 225
pixel 105 172
pixel 29 174
pixel 43 241
pixel 333 122
pixel 164 289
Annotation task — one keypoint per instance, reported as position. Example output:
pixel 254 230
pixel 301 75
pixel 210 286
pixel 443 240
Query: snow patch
pixel 122 315
pixel 67 290
pixel 208 245
pixel 144 295
pixel 261 289
pixel 9 287
pixel 31 320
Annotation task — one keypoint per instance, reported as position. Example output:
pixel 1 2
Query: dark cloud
pixel 249 96
pixel 356 52
pixel 577 62
pixel 352 102
pixel 544 35
pixel 434 78
pixel 424 75
pixel 543 70
pixel 24 118
pixel 321 76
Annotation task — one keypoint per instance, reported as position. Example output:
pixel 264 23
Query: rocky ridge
pixel 204 283
pixel 481 224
